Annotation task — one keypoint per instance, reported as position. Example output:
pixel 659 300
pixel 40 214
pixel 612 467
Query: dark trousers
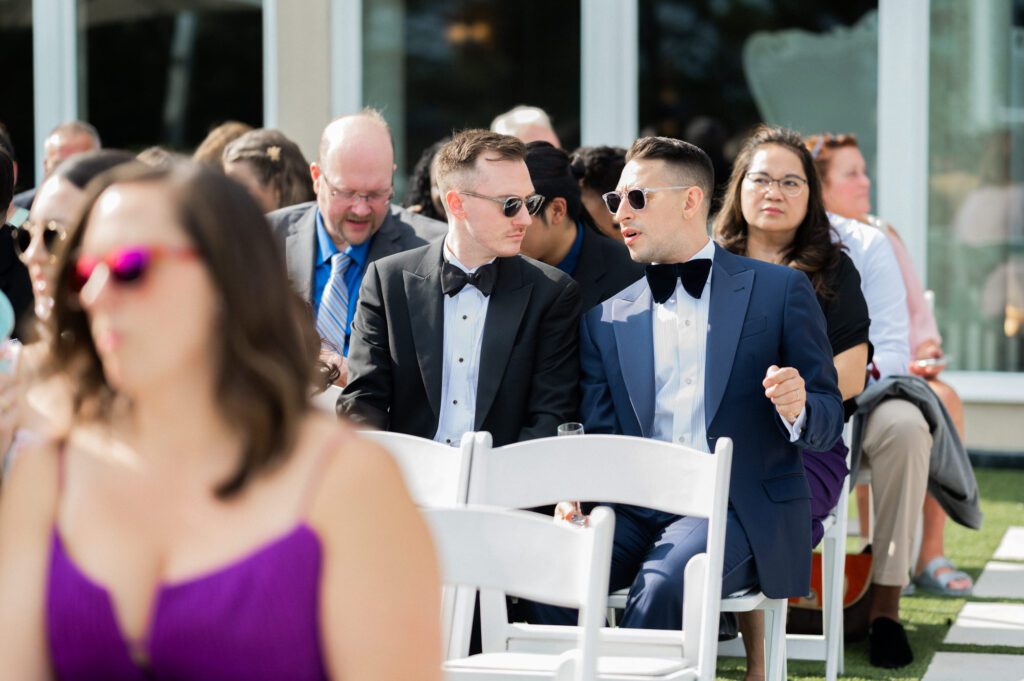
pixel 649 556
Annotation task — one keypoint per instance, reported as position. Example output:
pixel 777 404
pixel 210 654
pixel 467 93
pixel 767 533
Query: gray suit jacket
pixel 295 227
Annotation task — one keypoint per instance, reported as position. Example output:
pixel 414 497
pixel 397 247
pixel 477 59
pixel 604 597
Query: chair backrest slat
pixel 606 468
pixel 436 474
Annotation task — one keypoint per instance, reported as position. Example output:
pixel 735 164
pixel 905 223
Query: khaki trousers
pixel 897 446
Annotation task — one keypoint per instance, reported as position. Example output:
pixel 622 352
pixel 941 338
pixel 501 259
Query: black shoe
pixel 888 645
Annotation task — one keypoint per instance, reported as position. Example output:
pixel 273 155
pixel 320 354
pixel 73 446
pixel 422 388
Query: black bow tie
pixel 454 279
pixel 693 274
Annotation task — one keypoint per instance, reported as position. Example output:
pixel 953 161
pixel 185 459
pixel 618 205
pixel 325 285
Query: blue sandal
pixel 933 582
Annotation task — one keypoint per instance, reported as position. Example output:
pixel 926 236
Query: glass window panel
pixel 976 181
pixel 433 66
pixel 16 104
pixel 711 69
pixel 165 73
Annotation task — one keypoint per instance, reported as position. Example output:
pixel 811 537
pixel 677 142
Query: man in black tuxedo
pixel 466 334
pixel 329 242
pixel 564 235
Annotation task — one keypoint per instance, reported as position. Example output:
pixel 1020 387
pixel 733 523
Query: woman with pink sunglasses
pixel 200 520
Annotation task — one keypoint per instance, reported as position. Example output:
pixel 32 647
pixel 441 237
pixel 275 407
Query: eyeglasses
pixel 374 198
pixel 127 266
pixel 510 205
pixel 637 197
pixel 790 185
pixel 53 233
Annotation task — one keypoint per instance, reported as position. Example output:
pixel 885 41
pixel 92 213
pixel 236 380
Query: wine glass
pixel 577 517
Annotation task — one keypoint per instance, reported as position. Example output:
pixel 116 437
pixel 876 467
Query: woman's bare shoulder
pixel 355 472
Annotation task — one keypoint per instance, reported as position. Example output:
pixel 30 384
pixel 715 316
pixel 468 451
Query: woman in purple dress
pixel 199 520
pixel 773 211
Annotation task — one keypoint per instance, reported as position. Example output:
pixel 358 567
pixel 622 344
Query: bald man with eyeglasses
pixel 329 242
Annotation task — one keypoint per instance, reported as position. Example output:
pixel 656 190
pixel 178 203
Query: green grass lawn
pixel 926 617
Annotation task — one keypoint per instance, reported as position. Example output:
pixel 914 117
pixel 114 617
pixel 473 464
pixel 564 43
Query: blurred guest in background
pixel 64 141
pixel 563 233
pixel 211 150
pixel 599 169
pixel 14 279
pixel 329 242
pixel 847 192
pixel 528 123
pixel 423 196
pixel 271 167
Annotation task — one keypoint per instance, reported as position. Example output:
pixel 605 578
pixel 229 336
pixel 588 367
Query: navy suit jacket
pixel 760 314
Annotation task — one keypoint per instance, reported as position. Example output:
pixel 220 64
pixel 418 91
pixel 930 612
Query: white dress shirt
pixel 464 316
pixel 882 285
pixel 680 330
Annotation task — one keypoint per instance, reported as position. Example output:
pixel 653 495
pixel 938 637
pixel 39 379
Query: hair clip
pixel 817 147
pixel 274 153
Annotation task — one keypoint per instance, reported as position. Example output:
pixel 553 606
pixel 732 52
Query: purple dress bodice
pixel 256 618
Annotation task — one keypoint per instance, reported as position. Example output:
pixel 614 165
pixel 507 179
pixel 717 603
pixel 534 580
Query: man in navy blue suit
pixel 707 345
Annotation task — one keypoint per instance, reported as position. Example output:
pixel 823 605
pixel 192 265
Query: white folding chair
pixel 629 470
pixel 826 647
pixel 436 474
pixel 507 551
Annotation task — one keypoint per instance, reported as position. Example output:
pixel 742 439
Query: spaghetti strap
pixel 61 456
pixel 322 459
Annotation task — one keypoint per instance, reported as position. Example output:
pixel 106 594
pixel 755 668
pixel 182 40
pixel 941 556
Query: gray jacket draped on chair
pixel 950 476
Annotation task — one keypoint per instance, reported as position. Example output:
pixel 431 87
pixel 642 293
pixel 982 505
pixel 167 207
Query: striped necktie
pixel 332 319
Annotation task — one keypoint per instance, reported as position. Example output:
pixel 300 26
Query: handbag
pixel 805 613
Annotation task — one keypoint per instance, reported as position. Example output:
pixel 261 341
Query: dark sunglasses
pixel 637 197
pixel 510 205
pixel 126 265
pixel 53 233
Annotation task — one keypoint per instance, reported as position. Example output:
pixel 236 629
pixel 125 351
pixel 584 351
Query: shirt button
pixel 687 322
pixel 460 359
pixel 465 316
pixel 448 441
pixel 689 381
pixel 682 440
pixel 455 401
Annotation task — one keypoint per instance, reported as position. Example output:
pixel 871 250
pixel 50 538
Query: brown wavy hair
pixel 264 369
pixel 813 250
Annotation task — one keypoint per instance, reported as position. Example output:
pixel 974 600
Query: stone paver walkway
pixel 989 624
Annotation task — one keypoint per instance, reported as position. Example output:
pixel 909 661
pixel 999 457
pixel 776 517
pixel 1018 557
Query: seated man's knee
pixel 900 430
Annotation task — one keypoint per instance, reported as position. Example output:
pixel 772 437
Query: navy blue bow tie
pixel 693 273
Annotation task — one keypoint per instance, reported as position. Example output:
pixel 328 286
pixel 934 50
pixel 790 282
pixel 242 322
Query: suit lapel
pixel 300 252
pixel 383 243
pixel 426 316
pixel 504 313
pixel 731 285
pixel 634 342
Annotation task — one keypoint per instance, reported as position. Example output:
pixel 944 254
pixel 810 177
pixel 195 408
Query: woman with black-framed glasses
pixel 773 211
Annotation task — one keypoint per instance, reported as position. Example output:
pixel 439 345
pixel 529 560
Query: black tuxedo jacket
pixel 604 268
pixel 295 228
pixel 529 357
